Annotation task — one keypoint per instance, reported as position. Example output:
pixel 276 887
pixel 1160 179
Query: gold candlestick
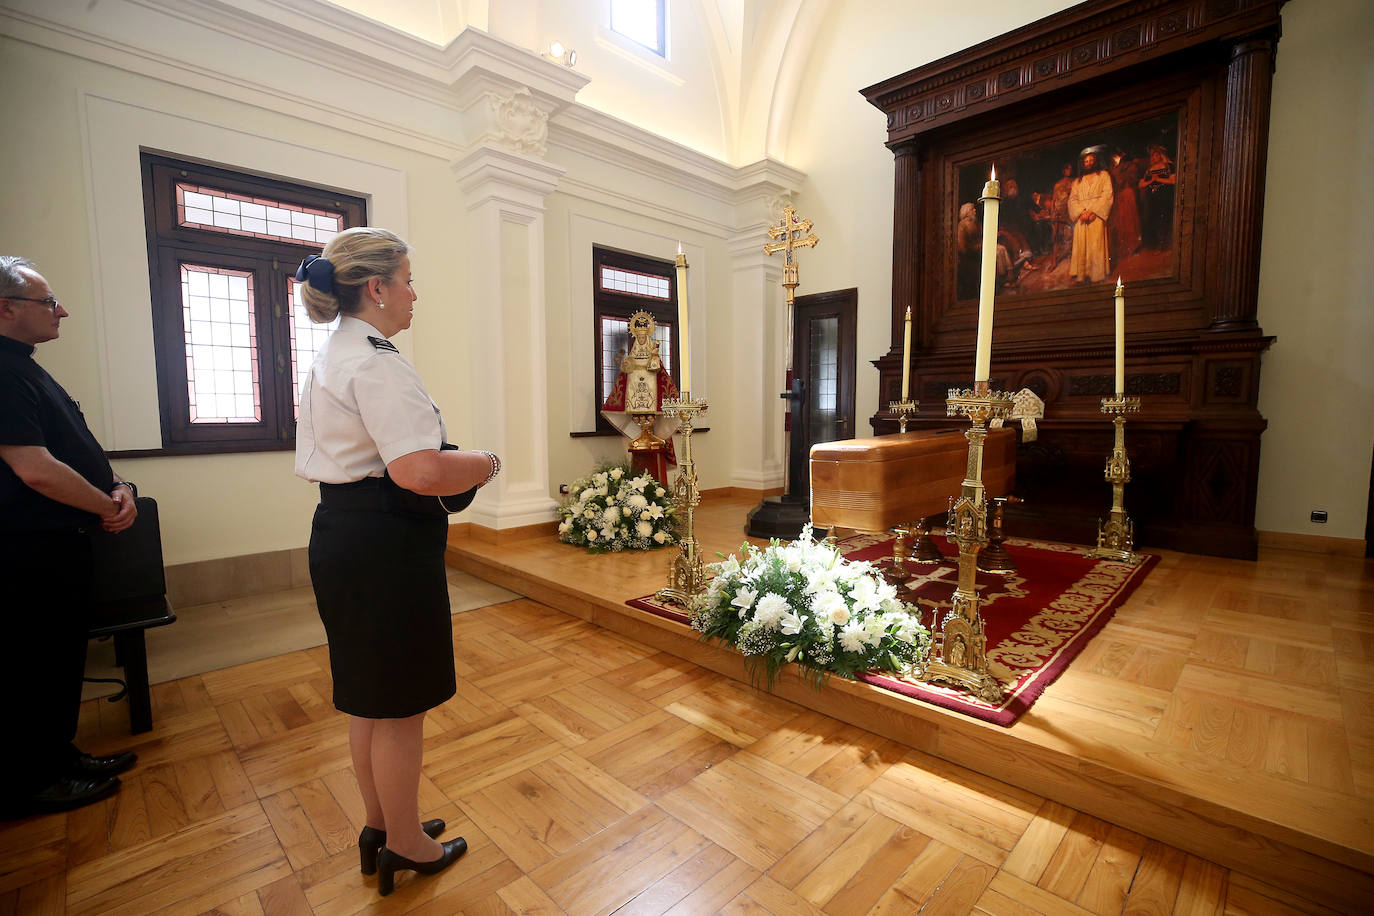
pixel 963 659
pixel 903 409
pixel 1116 538
pixel 686 573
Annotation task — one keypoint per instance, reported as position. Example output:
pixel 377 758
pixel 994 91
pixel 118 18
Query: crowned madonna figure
pixel 635 404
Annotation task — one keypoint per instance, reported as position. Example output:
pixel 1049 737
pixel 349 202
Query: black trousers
pixel 47 578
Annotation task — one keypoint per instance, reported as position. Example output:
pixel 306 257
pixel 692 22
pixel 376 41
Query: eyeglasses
pixel 50 301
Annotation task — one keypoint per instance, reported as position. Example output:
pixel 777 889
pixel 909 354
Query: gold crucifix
pixel 795 233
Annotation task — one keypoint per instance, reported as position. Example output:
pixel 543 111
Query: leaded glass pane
pixel 307 338
pixel 615 342
pixel 221 345
pixel 236 214
pixel 825 375
pixel 634 283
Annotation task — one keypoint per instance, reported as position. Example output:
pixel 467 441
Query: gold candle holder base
pixel 963 660
pixel 1116 536
pixel 686 573
pixel 903 409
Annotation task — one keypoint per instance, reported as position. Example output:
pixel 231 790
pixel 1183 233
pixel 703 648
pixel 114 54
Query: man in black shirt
pixel 55 483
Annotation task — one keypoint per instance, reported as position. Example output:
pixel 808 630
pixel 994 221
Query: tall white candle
pixel 992 198
pixel 906 355
pixel 1120 338
pixel 685 383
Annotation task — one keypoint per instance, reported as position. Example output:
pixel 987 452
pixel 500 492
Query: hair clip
pixel 318 272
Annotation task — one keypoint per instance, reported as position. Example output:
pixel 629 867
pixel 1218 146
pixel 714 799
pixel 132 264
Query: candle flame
pixel 679 249
pixel 1118 283
pixel 908 313
pixel 994 172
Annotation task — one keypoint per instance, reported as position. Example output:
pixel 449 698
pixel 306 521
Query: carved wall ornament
pixel 520 124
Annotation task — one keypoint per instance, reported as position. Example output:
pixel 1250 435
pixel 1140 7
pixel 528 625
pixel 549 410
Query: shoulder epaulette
pixel 381 343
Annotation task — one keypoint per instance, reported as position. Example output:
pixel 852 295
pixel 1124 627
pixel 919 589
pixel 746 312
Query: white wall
pixel 1317 272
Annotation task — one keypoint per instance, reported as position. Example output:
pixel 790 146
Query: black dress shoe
pixel 86 765
pixel 371 840
pixel 67 793
pixel 388 863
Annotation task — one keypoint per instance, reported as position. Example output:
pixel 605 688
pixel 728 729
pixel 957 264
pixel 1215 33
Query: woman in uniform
pixel 373 439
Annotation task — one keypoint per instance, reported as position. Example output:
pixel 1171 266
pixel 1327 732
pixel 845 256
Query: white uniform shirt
pixel 362 407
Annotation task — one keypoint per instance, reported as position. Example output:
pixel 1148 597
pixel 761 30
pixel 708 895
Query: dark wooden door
pixel 824 358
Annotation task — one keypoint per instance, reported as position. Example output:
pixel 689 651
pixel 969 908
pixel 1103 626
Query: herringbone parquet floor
pixel 590 774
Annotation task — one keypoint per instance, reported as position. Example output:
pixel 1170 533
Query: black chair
pixel 129 595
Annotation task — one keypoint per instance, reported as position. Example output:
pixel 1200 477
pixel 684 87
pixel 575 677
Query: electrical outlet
pixel 1319 516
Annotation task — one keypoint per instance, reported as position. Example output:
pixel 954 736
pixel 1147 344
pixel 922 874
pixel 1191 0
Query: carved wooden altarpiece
pixel 1180 88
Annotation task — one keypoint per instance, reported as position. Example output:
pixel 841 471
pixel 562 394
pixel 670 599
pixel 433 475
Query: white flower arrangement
pixel 802 602
pixel 611 510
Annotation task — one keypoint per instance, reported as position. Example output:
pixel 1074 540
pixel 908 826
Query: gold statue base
pixel 646 441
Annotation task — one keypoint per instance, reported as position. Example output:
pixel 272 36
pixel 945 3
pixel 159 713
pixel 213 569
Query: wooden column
pixel 906 244
pixel 1249 78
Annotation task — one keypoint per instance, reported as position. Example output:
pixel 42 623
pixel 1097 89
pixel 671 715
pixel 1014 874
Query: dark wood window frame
pixel 607 303
pixel 272 263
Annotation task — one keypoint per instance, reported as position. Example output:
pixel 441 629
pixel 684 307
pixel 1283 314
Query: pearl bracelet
pixel 495 467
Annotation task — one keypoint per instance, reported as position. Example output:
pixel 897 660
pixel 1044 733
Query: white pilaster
pixel 506 96
pixel 758 326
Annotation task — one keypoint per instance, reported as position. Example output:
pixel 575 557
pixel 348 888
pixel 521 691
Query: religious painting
pixel 1083 210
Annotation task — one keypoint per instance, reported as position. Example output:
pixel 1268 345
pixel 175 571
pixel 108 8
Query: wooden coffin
pixel 873 484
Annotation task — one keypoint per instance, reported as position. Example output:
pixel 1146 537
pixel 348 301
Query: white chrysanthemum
pixel 612 514
pixel 830 607
pixel 644 529
pixel 770 611
pixel 637 500
pixel 852 638
pixel 791 624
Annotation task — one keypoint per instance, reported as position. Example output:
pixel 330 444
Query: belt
pixel 367 493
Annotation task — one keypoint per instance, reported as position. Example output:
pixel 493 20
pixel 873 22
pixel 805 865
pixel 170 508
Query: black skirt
pixel 382 594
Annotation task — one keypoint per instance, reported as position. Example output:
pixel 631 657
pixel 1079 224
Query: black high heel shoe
pixel 371 840
pixel 388 863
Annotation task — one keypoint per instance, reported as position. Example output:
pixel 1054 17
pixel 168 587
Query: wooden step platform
pixel 1228 708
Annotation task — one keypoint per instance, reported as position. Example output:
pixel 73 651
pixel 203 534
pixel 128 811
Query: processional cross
pixel 793 233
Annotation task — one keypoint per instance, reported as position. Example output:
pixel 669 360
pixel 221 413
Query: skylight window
pixel 641 21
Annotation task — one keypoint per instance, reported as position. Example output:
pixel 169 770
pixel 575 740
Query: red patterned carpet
pixel 1037 619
